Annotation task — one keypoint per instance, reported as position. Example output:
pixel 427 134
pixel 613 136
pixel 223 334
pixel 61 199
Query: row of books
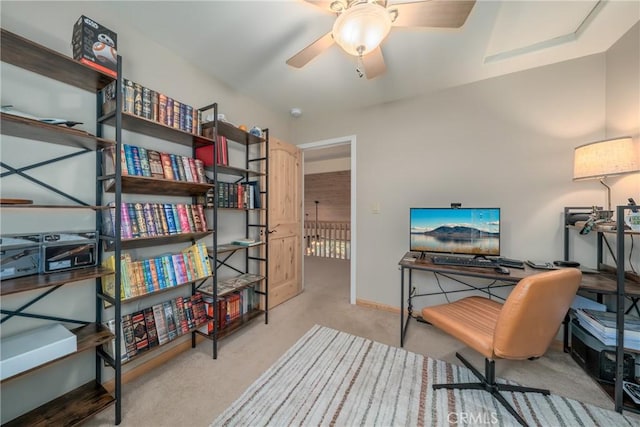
pixel 239 195
pixel 152 105
pixel 230 308
pixel 231 284
pixel 157 325
pixel 155 219
pixel 139 161
pixel 602 325
pixel 154 274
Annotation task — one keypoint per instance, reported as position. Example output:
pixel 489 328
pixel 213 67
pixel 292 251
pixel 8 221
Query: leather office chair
pixel 521 328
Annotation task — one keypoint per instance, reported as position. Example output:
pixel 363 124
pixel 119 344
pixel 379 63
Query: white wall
pixel 144 61
pixel 324 166
pixel 506 142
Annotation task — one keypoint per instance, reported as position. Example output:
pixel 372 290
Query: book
pixel 188 311
pixel 171 220
pixel 161 324
pixel 186 168
pixel 128 153
pixel 149 220
pixel 601 325
pixel 135 157
pixel 202 177
pixel 194 169
pixel 109 281
pixel 182 316
pixel 125 222
pixel 155 164
pixel 183 218
pixel 244 242
pixel 135 231
pixel 129 336
pixel 170 320
pixel 203 218
pixel 174 167
pixel 176 317
pixel 144 161
pixel 176 218
pixel 166 166
pixel 110 347
pixel 140 219
pixel 150 323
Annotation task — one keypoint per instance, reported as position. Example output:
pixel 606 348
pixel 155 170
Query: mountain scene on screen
pixel 459 232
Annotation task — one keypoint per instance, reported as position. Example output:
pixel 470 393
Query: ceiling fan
pixel 361 25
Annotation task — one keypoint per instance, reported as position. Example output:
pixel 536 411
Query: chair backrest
pixel 532 314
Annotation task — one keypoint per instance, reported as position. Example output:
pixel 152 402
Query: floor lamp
pixel 602 159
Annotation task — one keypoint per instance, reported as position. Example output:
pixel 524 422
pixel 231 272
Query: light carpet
pixel 333 378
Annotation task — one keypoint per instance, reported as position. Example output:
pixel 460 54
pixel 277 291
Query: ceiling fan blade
pixel 432 13
pixel 301 58
pixel 373 63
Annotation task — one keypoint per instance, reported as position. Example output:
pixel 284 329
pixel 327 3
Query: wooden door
pixel 285 221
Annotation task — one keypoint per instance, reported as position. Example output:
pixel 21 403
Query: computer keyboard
pixel 508 262
pixel 463 261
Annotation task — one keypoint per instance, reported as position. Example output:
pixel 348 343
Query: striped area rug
pixel 333 378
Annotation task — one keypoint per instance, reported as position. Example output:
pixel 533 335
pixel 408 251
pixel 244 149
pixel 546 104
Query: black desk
pixel 597 283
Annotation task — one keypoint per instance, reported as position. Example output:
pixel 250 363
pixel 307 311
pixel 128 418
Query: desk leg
pixel 404 324
pixel 401 306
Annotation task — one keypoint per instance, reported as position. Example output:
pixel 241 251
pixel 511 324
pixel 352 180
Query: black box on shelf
pixel 596 358
pixel 19 255
pixel 66 251
pixel 95 45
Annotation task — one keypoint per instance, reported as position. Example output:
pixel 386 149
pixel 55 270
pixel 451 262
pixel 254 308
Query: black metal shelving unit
pixel 616 284
pixel 256 223
pixel 88 399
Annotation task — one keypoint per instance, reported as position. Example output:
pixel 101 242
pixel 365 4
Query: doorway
pixel 342 149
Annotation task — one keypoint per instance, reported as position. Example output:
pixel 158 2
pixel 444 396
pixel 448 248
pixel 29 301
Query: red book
pixel 183 218
pixel 203 218
pixel 140 331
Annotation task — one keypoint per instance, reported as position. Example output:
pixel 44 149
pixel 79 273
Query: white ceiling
pixel 245 45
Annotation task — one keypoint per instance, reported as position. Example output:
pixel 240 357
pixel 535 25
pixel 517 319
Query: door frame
pixel 351 140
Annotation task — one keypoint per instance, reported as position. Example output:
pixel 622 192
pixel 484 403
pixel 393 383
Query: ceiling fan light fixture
pixel 361 28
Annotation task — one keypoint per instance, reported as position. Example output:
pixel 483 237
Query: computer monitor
pixel 469 231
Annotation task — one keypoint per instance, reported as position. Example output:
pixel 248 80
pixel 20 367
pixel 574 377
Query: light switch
pixel 375 208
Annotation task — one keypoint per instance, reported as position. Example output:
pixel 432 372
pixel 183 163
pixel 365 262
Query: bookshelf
pixel 615 282
pixel 156 235
pixel 87 399
pixel 239 290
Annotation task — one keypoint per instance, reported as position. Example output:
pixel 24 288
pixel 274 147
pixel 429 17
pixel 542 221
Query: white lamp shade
pixel 605 158
pixel 361 28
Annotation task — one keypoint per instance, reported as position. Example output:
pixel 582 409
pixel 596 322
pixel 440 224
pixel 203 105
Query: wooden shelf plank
pixel 159 291
pixel 230 247
pixel 70 409
pixel 240 323
pixel 92 207
pixel 31 56
pixel 232 327
pixel 233 133
pixel 167 187
pixel 143 242
pixel 40 281
pixel 147 127
pixel 88 337
pixel 232 170
pixel 23 127
pixel 148 351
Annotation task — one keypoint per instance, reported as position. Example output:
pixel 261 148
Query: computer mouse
pixel 502 270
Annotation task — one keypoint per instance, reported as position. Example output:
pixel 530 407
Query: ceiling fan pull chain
pixel 360 65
